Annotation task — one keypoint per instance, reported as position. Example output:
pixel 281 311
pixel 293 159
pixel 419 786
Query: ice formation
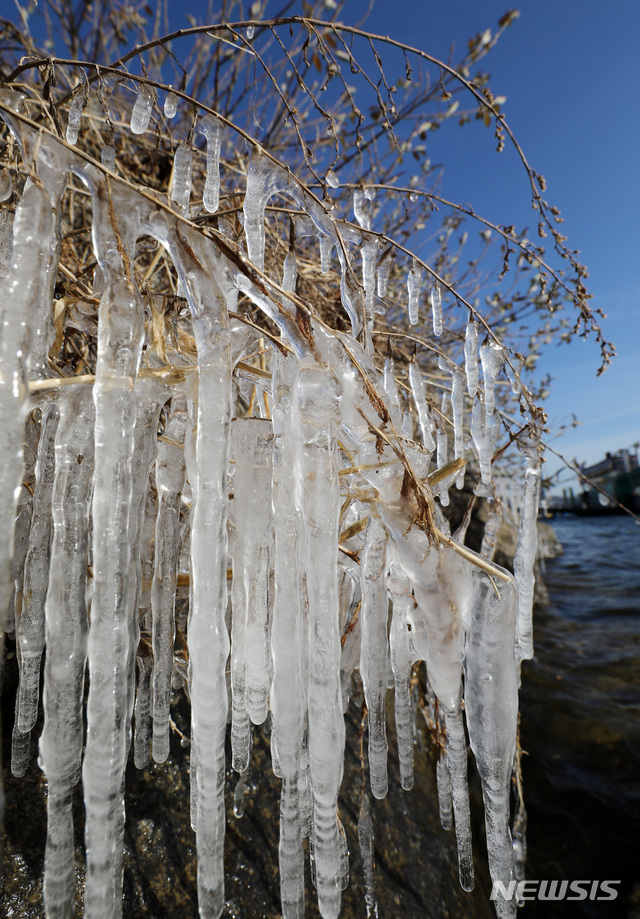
pixel 108 489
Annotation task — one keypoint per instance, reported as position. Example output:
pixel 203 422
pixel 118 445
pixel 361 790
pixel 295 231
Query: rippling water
pixel 580 703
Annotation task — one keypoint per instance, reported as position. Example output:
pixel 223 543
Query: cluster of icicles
pixel 275 499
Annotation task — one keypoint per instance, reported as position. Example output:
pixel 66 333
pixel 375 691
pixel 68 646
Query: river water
pixel 580 702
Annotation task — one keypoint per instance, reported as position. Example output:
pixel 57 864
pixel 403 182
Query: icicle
pixel 170 105
pixel 444 791
pixel 527 548
pixel 20 748
pixel 264 179
pixel 326 248
pixel 414 287
pixel 419 396
pixel 491 710
pixel 207 637
pixel 383 271
pixel 491 529
pixel 492 358
pixel 362 199
pixel 181 184
pixel 471 357
pixel 251 440
pixel 288 638
pixel 66 637
pixel 442 444
pixel 27 292
pixel 142 711
pixel 142 109
pixel 441 587
pixel 344 856
pixel 389 381
pixel 374 651
pixel 318 395
pixel 369 253
pixel 513 370
pixel 75 114
pixel 170 477
pixel 121 334
pixel 240 795
pixel 290 271
pixel 436 308
pixel 484 430
pixel 108 157
pixel 402 659
pixel 365 839
pixel 212 130
pixel 30 631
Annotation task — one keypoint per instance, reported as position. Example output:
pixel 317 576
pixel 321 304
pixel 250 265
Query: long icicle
pixel 318 404
pixel 66 638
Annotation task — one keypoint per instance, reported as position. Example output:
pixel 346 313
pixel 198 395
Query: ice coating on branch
pixel 415 282
pixel 142 108
pixel 332 179
pixel 492 358
pixel 182 168
pixel 318 404
pixel 212 129
pixel 75 114
pixel 170 105
pixel 374 650
pixel 362 199
pixel 424 416
pixel 251 447
pixel 170 478
pixel 471 357
pixel 436 308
